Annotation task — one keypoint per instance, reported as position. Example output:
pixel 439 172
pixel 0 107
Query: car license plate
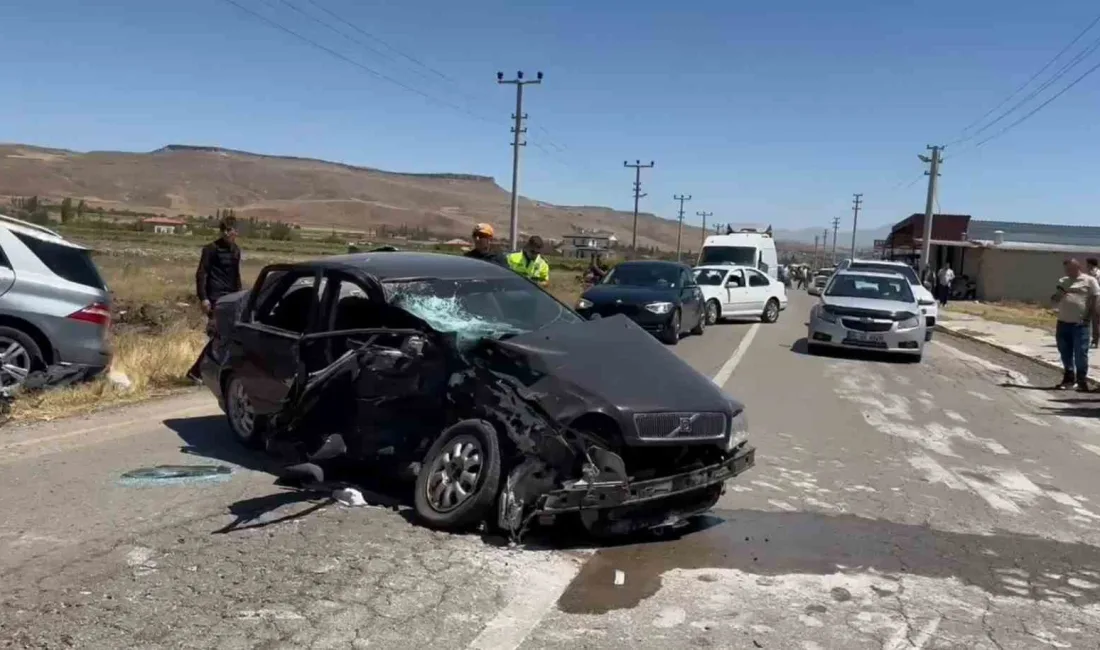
pixel 866 337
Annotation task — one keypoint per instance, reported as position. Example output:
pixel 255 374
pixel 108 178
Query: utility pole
pixel 517 134
pixel 638 167
pixel 680 232
pixel 836 226
pixel 856 203
pixel 933 173
pixel 815 253
pixel 704 215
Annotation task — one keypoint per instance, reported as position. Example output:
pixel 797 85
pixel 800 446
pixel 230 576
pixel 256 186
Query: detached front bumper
pixel 614 494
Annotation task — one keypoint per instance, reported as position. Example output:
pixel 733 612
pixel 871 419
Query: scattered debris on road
pixel 349 497
pixel 161 474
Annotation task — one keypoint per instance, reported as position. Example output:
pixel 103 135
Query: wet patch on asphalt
pixel 781 543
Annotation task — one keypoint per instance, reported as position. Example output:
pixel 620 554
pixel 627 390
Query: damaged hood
pixel 613 363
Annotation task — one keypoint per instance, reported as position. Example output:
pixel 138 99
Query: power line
pixel 1063 71
pixel 346 59
pixel 1040 106
pixel 1036 75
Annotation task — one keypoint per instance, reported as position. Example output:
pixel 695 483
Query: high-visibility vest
pixel 537 269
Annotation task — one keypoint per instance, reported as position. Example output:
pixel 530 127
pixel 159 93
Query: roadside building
pixel 163 225
pixel 997 260
pixel 583 244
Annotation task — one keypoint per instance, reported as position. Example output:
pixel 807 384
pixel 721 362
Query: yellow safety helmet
pixel 483 230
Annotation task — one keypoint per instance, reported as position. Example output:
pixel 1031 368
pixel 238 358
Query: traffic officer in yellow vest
pixel 529 263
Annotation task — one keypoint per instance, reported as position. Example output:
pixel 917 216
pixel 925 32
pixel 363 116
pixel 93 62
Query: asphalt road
pixel 950 504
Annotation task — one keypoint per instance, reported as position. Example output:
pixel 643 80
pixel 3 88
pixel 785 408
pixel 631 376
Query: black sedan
pixel 501 401
pixel 661 297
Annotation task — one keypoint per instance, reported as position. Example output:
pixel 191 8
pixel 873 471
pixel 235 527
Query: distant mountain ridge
pixel 199 179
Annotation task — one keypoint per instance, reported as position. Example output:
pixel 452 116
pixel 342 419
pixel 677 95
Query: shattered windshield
pixel 476 309
pixel 644 275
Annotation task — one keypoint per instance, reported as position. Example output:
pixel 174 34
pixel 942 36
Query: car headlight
pixel 909 323
pixel 659 307
pixel 584 304
pixel 826 315
pixel 739 431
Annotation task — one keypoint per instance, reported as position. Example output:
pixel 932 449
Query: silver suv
pixel 55 308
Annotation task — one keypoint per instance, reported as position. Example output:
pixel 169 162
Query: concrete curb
pixel 1007 350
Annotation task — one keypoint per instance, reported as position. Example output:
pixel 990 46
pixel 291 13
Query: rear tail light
pixel 96 313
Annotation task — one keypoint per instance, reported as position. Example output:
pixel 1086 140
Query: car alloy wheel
pixel 454 474
pixel 15 363
pixel 712 312
pixel 242 417
pixel 771 311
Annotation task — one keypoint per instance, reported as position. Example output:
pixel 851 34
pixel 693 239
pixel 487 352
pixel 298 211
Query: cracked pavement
pixel 950 504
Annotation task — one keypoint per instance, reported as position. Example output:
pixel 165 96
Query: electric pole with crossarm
pixel 704 215
pixel 638 167
pixel 680 230
pixel 836 226
pixel 517 136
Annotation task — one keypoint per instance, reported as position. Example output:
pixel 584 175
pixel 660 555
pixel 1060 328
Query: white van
pixel 746 247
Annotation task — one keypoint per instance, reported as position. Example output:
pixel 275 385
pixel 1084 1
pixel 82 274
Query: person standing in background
pixel 483 246
pixel 1075 297
pixel 219 274
pixel 529 263
pixel 1094 271
pixel 943 284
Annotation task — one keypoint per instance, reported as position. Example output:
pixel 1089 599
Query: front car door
pixel 691 296
pixel 737 294
pixel 282 308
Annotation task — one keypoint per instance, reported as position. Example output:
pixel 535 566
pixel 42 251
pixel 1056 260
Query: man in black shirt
pixel 219 271
pixel 483 246
pixel 219 274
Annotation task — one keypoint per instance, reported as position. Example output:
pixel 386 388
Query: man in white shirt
pixel 1075 297
pixel 943 283
pixel 1094 270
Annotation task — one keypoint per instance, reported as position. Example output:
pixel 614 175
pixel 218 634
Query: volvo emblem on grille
pixel 684 426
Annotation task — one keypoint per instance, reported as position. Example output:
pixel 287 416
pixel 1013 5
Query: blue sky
pixel 765 112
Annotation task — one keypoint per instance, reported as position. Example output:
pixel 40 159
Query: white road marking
pixel 731 364
pixel 936 473
pixel 782 505
pixel 981 396
pixel 992 496
pixel 534 593
pixel 1032 419
pixel 1087 447
pixel 955 415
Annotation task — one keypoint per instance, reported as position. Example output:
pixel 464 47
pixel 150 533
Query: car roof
pixel 876 274
pixel 679 265
pixel 391 265
pixel 36 231
pixel 723 267
pixel 882 262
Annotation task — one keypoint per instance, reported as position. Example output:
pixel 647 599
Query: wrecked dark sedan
pixel 503 403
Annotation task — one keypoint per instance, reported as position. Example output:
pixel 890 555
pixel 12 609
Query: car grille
pixel 874 345
pixel 867 313
pixel 866 326
pixel 675 426
pixel 613 309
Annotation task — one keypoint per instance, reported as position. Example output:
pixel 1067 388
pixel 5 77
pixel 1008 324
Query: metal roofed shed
pixel 997 260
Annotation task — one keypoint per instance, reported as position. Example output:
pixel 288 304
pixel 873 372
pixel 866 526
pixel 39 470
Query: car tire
pixel 670 335
pixel 467 445
pixel 771 311
pixel 26 357
pixel 713 311
pixel 246 426
pixel 701 326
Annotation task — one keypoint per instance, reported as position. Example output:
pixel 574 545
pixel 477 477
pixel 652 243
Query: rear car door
pixel 282 309
pixel 759 290
pixel 737 293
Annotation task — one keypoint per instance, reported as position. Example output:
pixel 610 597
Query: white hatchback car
pixel 739 291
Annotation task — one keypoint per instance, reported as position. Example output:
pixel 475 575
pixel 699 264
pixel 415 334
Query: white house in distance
pixel 163 225
pixel 585 243
pixel 1003 260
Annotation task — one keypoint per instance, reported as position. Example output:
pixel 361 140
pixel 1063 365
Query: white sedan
pixel 740 291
